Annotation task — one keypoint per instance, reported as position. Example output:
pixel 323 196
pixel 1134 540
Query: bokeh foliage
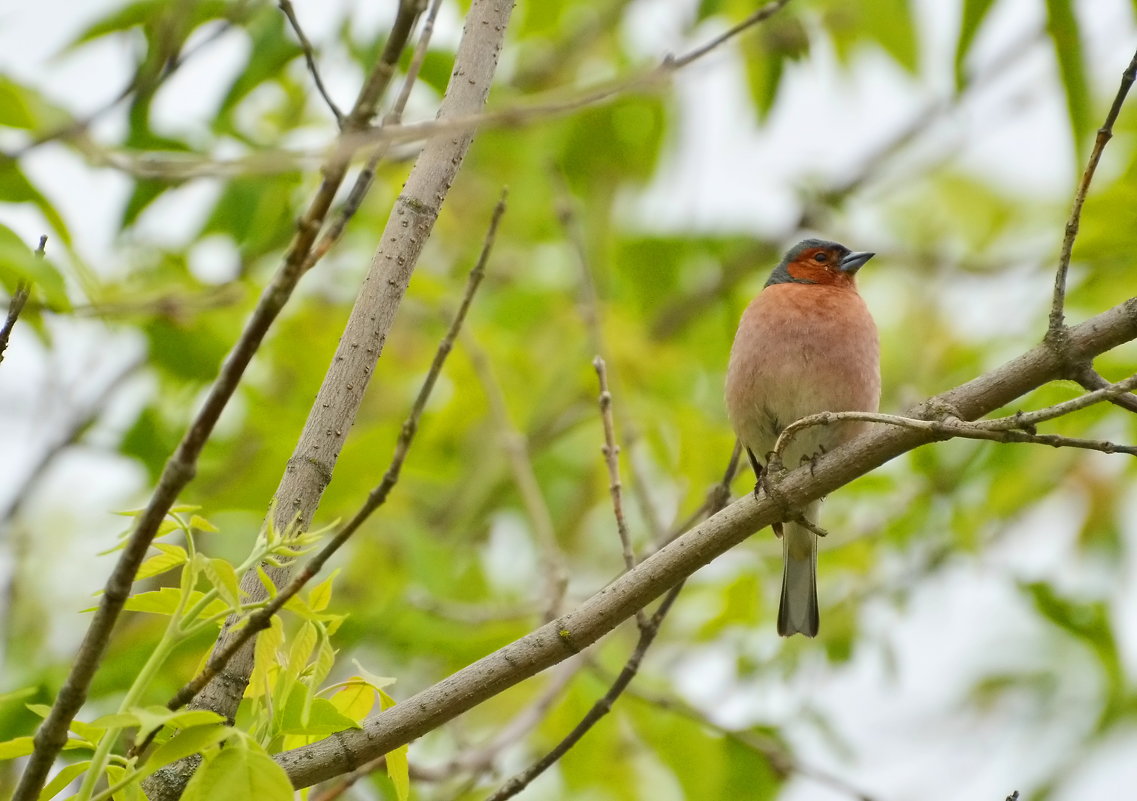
pixel 448 569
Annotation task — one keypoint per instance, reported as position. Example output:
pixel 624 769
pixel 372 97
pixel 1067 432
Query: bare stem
pixel 1105 133
pixel 310 59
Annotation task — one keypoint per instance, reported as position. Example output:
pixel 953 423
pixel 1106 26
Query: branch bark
pixel 180 468
pixel 309 470
pixel 567 635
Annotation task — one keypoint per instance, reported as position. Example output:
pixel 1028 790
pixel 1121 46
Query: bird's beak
pixel 855 261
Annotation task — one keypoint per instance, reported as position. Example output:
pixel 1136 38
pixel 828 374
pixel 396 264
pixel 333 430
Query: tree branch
pixel 1105 133
pixel 310 59
pixel 648 628
pixel 260 619
pixel 1018 427
pixel 409 225
pixel 182 464
pixel 1090 379
pixel 16 305
pixel 174 167
pixel 653 576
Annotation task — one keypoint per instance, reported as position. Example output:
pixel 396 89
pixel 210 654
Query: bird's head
pixel 816 261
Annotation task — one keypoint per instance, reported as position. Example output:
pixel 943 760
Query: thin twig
pixel 260 619
pixel 178 167
pixel 1054 333
pixel 589 297
pixel 781 760
pixel 1013 428
pixel 16 305
pixel 1090 379
pixel 601 708
pixel 762 14
pixel 182 464
pixel 310 59
pixel 611 453
pixel 717 499
pixel 366 176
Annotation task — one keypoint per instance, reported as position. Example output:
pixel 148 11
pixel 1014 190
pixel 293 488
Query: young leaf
pixel 1062 25
pixel 238 774
pixel 398 767
pixel 974 12
pixel 63 778
pixel 191 741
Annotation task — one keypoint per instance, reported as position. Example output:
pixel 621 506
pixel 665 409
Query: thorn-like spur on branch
pixel 658 573
pixel 310 59
pixel 17 303
pixel 180 468
pixel 260 619
pixel 1105 132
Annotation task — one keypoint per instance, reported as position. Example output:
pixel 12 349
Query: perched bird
pixel 806 344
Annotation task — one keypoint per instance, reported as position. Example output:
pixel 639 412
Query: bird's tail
pixel 798 609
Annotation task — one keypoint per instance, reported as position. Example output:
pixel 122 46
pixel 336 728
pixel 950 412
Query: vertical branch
pixel 409 225
pixel 1055 333
pixel 611 453
pixel 179 470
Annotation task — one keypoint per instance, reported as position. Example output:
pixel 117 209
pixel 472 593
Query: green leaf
pixel 974 12
pixel 16 747
pixel 355 699
pixel 129 792
pixel 19 262
pixel 191 741
pixel 62 779
pixel 398 767
pixel 322 716
pixel 890 23
pixel 16 188
pixel 781 39
pixel 239 774
pixel 1062 25
pixel 223 576
pixel 201 524
pixel 24 107
pixel 161 563
pixel 165 602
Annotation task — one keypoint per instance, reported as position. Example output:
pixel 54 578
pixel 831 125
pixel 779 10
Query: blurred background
pixel 979 616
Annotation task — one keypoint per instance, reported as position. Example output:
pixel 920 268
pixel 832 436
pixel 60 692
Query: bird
pixel 806 344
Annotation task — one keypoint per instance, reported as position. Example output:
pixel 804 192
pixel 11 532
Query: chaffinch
pixel 806 344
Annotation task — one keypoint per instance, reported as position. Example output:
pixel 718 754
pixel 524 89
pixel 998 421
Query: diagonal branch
pixel 174 167
pixel 1105 133
pixel 260 619
pixel 310 59
pixel 1018 427
pixel 182 464
pixel 648 627
pixel 1090 379
pixel 595 617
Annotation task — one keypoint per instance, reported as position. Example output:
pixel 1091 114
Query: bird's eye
pixel 821 258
